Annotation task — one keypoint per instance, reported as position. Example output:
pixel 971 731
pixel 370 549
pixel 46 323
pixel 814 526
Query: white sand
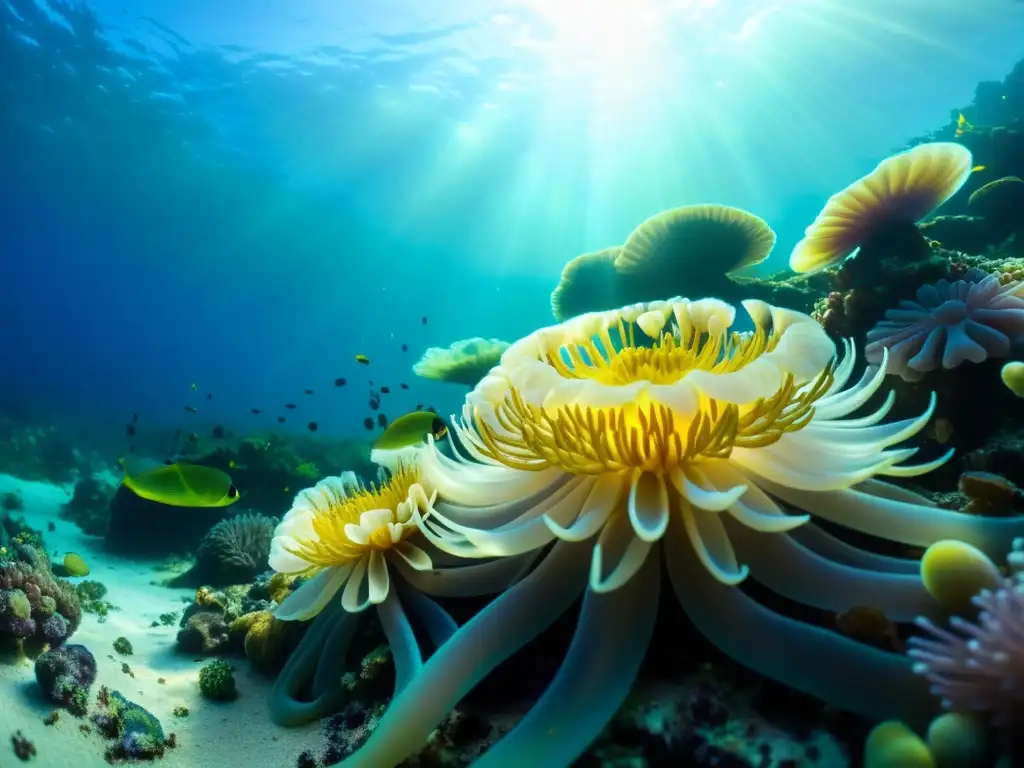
pixel 214 735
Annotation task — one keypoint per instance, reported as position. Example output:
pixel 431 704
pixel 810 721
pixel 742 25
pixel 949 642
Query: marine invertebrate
pixel 1012 375
pixel 686 450
pixel 462 362
pixel 588 283
pixel 217 681
pixel 343 536
pixel 34 604
pixel 888 202
pixel 234 551
pixel 65 675
pixel 979 665
pixel 968 320
pixel 695 242
pixel 138 732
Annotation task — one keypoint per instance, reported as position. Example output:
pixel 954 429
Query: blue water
pixel 246 194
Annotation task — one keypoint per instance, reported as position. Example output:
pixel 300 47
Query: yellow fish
pixel 75 565
pixel 962 126
pixel 362 359
pixel 411 429
pixel 181 485
pixel 977 168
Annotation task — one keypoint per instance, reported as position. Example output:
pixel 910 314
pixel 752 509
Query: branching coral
pixel 346 537
pixel 971 319
pixel 689 450
pixel 463 362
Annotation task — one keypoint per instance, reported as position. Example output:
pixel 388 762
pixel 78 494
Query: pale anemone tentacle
pixel 346 538
pixel 824 543
pixel 673 431
pixel 846 673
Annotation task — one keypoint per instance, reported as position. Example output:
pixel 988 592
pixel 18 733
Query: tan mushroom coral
pixel 902 190
pixel 684 248
pixel 1001 204
pixel 589 283
pixel 463 362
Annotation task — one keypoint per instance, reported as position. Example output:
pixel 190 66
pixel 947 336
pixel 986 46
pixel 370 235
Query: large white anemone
pixel 693 422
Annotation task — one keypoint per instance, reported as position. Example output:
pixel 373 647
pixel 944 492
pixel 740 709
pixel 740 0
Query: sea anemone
pixel 902 190
pixel 979 665
pixel 341 535
pixel 589 283
pixel 971 319
pixel 656 433
pixel 463 362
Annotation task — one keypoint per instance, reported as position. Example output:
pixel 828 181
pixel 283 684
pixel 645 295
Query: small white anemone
pixel 341 534
pixel 618 438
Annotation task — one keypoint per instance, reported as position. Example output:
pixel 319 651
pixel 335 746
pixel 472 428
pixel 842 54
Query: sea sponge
pixel 589 283
pixel 954 572
pixel 463 362
pixel 971 319
pixel 65 675
pixel 898 193
pixel 217 681
pixel 45 594
pixel 266 639
pixel 138 732
pixel 1000 203
pixel 683 248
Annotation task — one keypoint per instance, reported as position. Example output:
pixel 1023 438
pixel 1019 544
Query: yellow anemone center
pixel 646 435
pixel 333 512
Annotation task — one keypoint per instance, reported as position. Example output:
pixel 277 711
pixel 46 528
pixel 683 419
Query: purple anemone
pixel 971 319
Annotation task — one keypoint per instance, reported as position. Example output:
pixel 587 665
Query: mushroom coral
pixel 971 319
pixel 345 537
pixel 691 249
pixel 885 204
pixel 463 362
pixel 686 451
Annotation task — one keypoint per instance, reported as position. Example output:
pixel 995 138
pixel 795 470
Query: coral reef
pixel 65 675
pixel 463 362
pixel 35 452
pixel 234 551
pixel 138 733
pixel 36 607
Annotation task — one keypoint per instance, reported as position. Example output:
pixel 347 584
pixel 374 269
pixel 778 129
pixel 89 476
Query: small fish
pixel 306 470
pixel 978 168
pixel 405 347
pixel 374 404
pixel 411 429
pixel 385 391
pixel 135 418
pixel 404 386
pixel 286 489
pixel 962 126
pixel 255 410
pixel 193 387
pixel 75 565
pixel 368 423
pixel 180 485
pixel 232 463
pixel 309 391
pixel 382 420
pixel 218 432
pixel 419 407
pixel 290 406
pixel 129 430
pixel 424 319
pixel 209 395
pixel 280 419
pixel 340 382
pixel 362 359
pixel 191 409
pixel 313 426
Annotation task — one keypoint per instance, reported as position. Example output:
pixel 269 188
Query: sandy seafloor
pixel 214 735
